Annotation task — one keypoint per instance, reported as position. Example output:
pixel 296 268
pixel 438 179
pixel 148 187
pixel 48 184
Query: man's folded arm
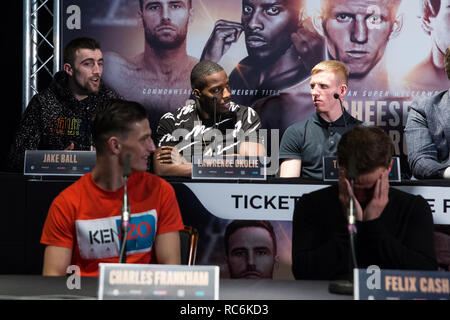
pixel 167 161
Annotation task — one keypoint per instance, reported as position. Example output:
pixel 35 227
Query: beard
pixel 170 41
pixel 85 87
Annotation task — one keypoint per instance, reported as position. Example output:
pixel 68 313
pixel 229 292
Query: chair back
pixel 188 245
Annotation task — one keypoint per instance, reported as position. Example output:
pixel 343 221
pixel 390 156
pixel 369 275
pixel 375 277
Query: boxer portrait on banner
pixel 162 66
pixel 281 45
pixel 357 33
pixel 429 74
pixel 250 249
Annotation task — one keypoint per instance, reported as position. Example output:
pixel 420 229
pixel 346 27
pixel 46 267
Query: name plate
pixel 157 282
pixel 331 173
pixel 60 163
pixel 376 284
pixel 330 169
pixel 231 167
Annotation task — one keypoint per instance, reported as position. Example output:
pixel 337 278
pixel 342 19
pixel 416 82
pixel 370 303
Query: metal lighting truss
pixel 40 43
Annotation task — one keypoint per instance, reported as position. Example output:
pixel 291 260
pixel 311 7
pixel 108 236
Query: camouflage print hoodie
pixel 54 119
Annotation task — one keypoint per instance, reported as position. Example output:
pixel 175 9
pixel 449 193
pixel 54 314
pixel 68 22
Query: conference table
pixel 26 201
pixel 35 287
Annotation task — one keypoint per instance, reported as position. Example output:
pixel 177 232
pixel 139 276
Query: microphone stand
pixel 352 227
pixel 125 213
pixel 346 286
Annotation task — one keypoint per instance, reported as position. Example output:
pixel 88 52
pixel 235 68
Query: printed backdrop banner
pixel 393 52
pixel 212 208
pixel 277 202
pixel 251 250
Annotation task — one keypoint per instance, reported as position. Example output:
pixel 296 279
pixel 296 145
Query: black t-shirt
pixel 191 134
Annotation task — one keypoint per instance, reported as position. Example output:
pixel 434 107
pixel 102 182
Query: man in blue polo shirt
pixel 304 144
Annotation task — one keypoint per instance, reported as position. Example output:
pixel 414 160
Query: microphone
pixel 125 211
pixel 336 96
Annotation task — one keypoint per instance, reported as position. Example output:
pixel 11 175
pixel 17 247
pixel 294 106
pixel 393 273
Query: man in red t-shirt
pixel 84 221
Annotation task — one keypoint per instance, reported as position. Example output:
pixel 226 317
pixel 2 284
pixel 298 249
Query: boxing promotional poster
pixel 394 51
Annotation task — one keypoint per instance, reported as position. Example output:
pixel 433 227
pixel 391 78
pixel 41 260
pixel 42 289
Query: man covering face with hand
pixel 394 228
